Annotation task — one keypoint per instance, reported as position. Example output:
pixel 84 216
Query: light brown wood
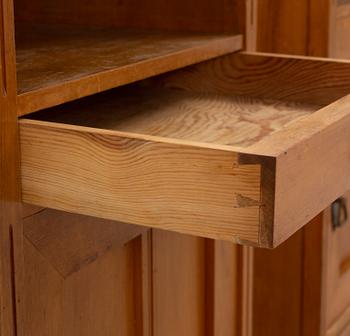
pixel 178 284
pixel 192 117
pixel 263 192
pixel 70 242
pixel 288 279
pixel 99 299
pixel 319 81
pixel 341 327
pixel 56 64
pixel 170 197
pixel 302 166
pixel 222 271
pixel 116 294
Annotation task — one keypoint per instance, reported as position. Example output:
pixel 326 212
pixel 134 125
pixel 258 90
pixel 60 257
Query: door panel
pixel 337 270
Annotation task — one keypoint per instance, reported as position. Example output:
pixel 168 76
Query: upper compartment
pixel 70 49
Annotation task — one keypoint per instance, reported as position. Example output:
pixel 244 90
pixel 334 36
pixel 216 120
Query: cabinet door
pixel 336 300
pixel 86 276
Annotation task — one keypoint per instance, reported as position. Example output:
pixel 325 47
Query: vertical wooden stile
pixel 11 272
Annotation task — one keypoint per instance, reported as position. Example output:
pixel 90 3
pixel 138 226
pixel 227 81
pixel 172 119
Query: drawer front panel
pixel 201 191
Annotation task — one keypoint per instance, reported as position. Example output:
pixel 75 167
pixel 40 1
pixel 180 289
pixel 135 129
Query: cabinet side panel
pixel 11 257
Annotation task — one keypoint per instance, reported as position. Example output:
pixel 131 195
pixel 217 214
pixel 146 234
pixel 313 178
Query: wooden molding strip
pixel 3 80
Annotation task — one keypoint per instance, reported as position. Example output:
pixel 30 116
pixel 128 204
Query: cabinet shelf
pixel 60 63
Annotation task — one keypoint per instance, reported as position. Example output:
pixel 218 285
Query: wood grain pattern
pixel 301 148
pixel 71 242
pixel 222 269
pixel 255 156
pixel 310 22
pixel 319 23
pixel 11 246
pixel 99 299
pixel 307 80
pixel 299 260
pixel 143 182
pixel 297 79
pixel 43 302
pixel 275 18
pixel 207 118
pixel 105 294
pixel 274 272
pixel 56 64
pixel 180 261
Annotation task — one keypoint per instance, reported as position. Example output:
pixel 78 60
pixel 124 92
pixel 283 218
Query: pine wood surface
pixel 56 64
pixel 309 80
pixel 128 290
pixel 302 254
pixel 89 302
pixel 292 260
pixel 141 168
pixel 208 118
pixel 162 127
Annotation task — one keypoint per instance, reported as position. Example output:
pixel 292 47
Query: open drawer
pixel 246 147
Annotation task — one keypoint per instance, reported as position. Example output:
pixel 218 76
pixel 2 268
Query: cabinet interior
pixel 88 47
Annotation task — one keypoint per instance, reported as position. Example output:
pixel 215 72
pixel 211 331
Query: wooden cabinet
pixel 119 117
pixel 227 149
pixel 82 280
pixel 237 159
pixel 67 50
